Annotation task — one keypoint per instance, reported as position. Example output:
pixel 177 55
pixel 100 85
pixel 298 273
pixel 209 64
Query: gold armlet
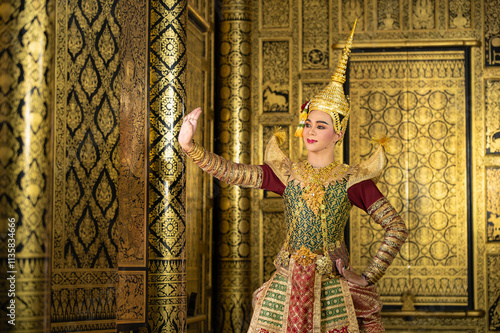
pixel 224 170
pixel 196 152
pixel 396 233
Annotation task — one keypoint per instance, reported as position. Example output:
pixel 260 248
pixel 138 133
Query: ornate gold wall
pixel 99 250
pixel 426 173
pixel 78 189
pixel 132 178
pixel 413 89
pixel 26 110
pixel 82 250
pixel 232 226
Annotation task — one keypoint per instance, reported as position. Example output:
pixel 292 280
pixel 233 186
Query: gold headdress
pixel 331 99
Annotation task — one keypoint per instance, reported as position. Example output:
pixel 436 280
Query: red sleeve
pixel 364 194
pixel 270 181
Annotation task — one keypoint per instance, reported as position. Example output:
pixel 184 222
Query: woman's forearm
pixel 227 171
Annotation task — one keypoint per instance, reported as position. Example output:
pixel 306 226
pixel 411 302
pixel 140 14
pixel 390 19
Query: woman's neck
pixel 321 159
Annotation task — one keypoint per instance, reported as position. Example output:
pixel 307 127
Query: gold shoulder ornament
pixel 372 167
pixel 275 158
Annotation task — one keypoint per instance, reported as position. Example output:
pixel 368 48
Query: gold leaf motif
pixel 87 152
pixel 7 146
pixel 424 163
pixel 86 229
pixel 33 183
pixel 105 118
pixel 104 191
pixel 73 188
pixel 74 116
pixel 75 38
pixel 89 77
pixel 106 44
pixel 90 9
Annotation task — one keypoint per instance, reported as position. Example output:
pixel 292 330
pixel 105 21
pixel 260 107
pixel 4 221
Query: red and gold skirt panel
pixel 298 299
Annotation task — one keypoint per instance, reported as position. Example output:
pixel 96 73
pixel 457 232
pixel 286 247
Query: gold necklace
pixel 314 179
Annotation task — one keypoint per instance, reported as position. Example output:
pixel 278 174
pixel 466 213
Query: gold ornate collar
pixel 313 181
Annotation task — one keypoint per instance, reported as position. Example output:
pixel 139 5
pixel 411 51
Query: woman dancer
pixel 314 288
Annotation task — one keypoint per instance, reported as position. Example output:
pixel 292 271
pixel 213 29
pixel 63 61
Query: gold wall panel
pixel 423 14
pixel 418 100
pixel 309 89
pixel 131 298
pixel 167 220
pixel 233 299
pixel 491 33
pixel 408 21
pixel 275 14
pixel 26 111
pixel 493 204
pixel 132 180
pixel 493 315
pixel 315 34
pixel 389 14
pixel 86 141
pixel 492 107
pixel 133 135
pixel 275 76
pixel 350 11
pixel 459 14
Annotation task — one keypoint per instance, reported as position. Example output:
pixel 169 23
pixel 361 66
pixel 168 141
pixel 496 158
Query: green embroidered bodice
pixel 306 225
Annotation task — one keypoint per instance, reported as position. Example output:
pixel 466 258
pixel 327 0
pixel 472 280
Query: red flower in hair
pixel 303 106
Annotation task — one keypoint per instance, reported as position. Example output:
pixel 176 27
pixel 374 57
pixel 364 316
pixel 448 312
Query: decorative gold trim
pixel 410 43
pixel 441 314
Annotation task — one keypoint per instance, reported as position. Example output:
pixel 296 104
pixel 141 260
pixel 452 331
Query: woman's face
pixel 319 133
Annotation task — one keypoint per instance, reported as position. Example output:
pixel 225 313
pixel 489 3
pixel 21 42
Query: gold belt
pixel 306 257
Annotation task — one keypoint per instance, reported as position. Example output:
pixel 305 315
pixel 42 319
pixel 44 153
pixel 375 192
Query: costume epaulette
pixel 276 159
pixel 369 169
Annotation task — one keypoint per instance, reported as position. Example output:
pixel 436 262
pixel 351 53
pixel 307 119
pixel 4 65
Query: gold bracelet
pixel 196 152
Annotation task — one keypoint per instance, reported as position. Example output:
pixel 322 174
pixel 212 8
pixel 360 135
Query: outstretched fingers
pixel 188 128
pixel 193 115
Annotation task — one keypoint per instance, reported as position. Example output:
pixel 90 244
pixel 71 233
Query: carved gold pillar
pixel 166 275
pixel 233 306
pixel 26 30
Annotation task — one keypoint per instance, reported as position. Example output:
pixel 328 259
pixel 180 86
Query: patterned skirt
pixel 299 300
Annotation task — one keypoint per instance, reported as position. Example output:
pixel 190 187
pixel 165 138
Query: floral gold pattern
pixel 167 211
pixel 304 257
pixel 313 191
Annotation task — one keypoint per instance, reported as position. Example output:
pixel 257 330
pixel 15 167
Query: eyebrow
pixel 319 121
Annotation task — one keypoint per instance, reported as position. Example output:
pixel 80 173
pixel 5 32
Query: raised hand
pixel 350 275
pixel 188 129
